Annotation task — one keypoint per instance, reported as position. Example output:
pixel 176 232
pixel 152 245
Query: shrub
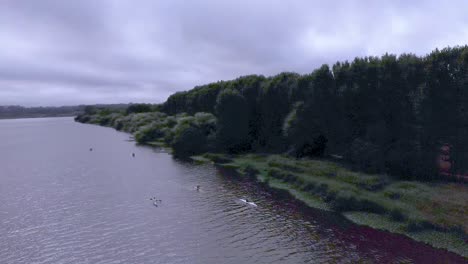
pixel 83 118
pixel 149 133
pixel 193 134
pixel 251 171
pixel 392 195
pixel 344 203
pixel 216 158
pixel 347 202
pixel 188 141
pixel 416 226
pixel 397 215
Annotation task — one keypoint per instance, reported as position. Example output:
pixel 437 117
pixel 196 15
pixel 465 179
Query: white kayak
pixel 248 202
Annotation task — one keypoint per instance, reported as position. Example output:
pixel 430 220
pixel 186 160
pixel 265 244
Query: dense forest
pixel 389 114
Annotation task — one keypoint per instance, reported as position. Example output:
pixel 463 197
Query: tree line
pixel 388 114
pixel 16 111
pixel 382 114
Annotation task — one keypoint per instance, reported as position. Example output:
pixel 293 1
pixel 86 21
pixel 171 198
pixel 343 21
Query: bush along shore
pixel 381 140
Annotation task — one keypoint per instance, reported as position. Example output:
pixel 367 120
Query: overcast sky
pixel 61 52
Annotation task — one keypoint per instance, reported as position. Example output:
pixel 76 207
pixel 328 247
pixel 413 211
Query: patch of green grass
pixel 200 159
pixel 376 221
pixel 218 158
pixel 159 144
pixel 392 195
pixel 232 166
pixel 442 204
pixel 446 240
pixel 309 200
pixel 406 185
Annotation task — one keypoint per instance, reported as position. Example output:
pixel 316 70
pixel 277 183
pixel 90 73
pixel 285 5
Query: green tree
pixel 138 108
pixel 274 104
pixel 233 121
pixel 304 136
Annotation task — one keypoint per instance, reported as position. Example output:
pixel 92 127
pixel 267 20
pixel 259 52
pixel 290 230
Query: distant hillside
pixel 15 111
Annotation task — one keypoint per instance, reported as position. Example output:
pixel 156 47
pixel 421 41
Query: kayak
pixel 249 203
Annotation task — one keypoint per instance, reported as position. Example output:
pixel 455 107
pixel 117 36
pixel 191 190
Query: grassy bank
pixel 435 213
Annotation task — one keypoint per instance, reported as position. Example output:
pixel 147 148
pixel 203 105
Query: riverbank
pixel 435 213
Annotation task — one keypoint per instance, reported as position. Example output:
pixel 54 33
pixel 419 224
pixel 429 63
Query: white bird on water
pixel 155 201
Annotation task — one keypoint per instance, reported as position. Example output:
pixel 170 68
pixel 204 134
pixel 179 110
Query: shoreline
pixel 421 231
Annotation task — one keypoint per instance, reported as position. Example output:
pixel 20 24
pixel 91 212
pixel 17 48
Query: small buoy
pixel 133 154
pixel 90 149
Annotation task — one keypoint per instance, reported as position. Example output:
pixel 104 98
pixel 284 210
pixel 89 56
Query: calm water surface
pixel 61 203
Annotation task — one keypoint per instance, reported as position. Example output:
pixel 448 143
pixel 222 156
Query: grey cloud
pixel 71 52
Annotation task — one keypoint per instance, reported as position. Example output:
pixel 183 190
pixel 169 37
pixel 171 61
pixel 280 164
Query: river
pixel 60 202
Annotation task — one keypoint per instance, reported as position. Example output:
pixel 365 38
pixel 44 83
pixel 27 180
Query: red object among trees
pixel 445 164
